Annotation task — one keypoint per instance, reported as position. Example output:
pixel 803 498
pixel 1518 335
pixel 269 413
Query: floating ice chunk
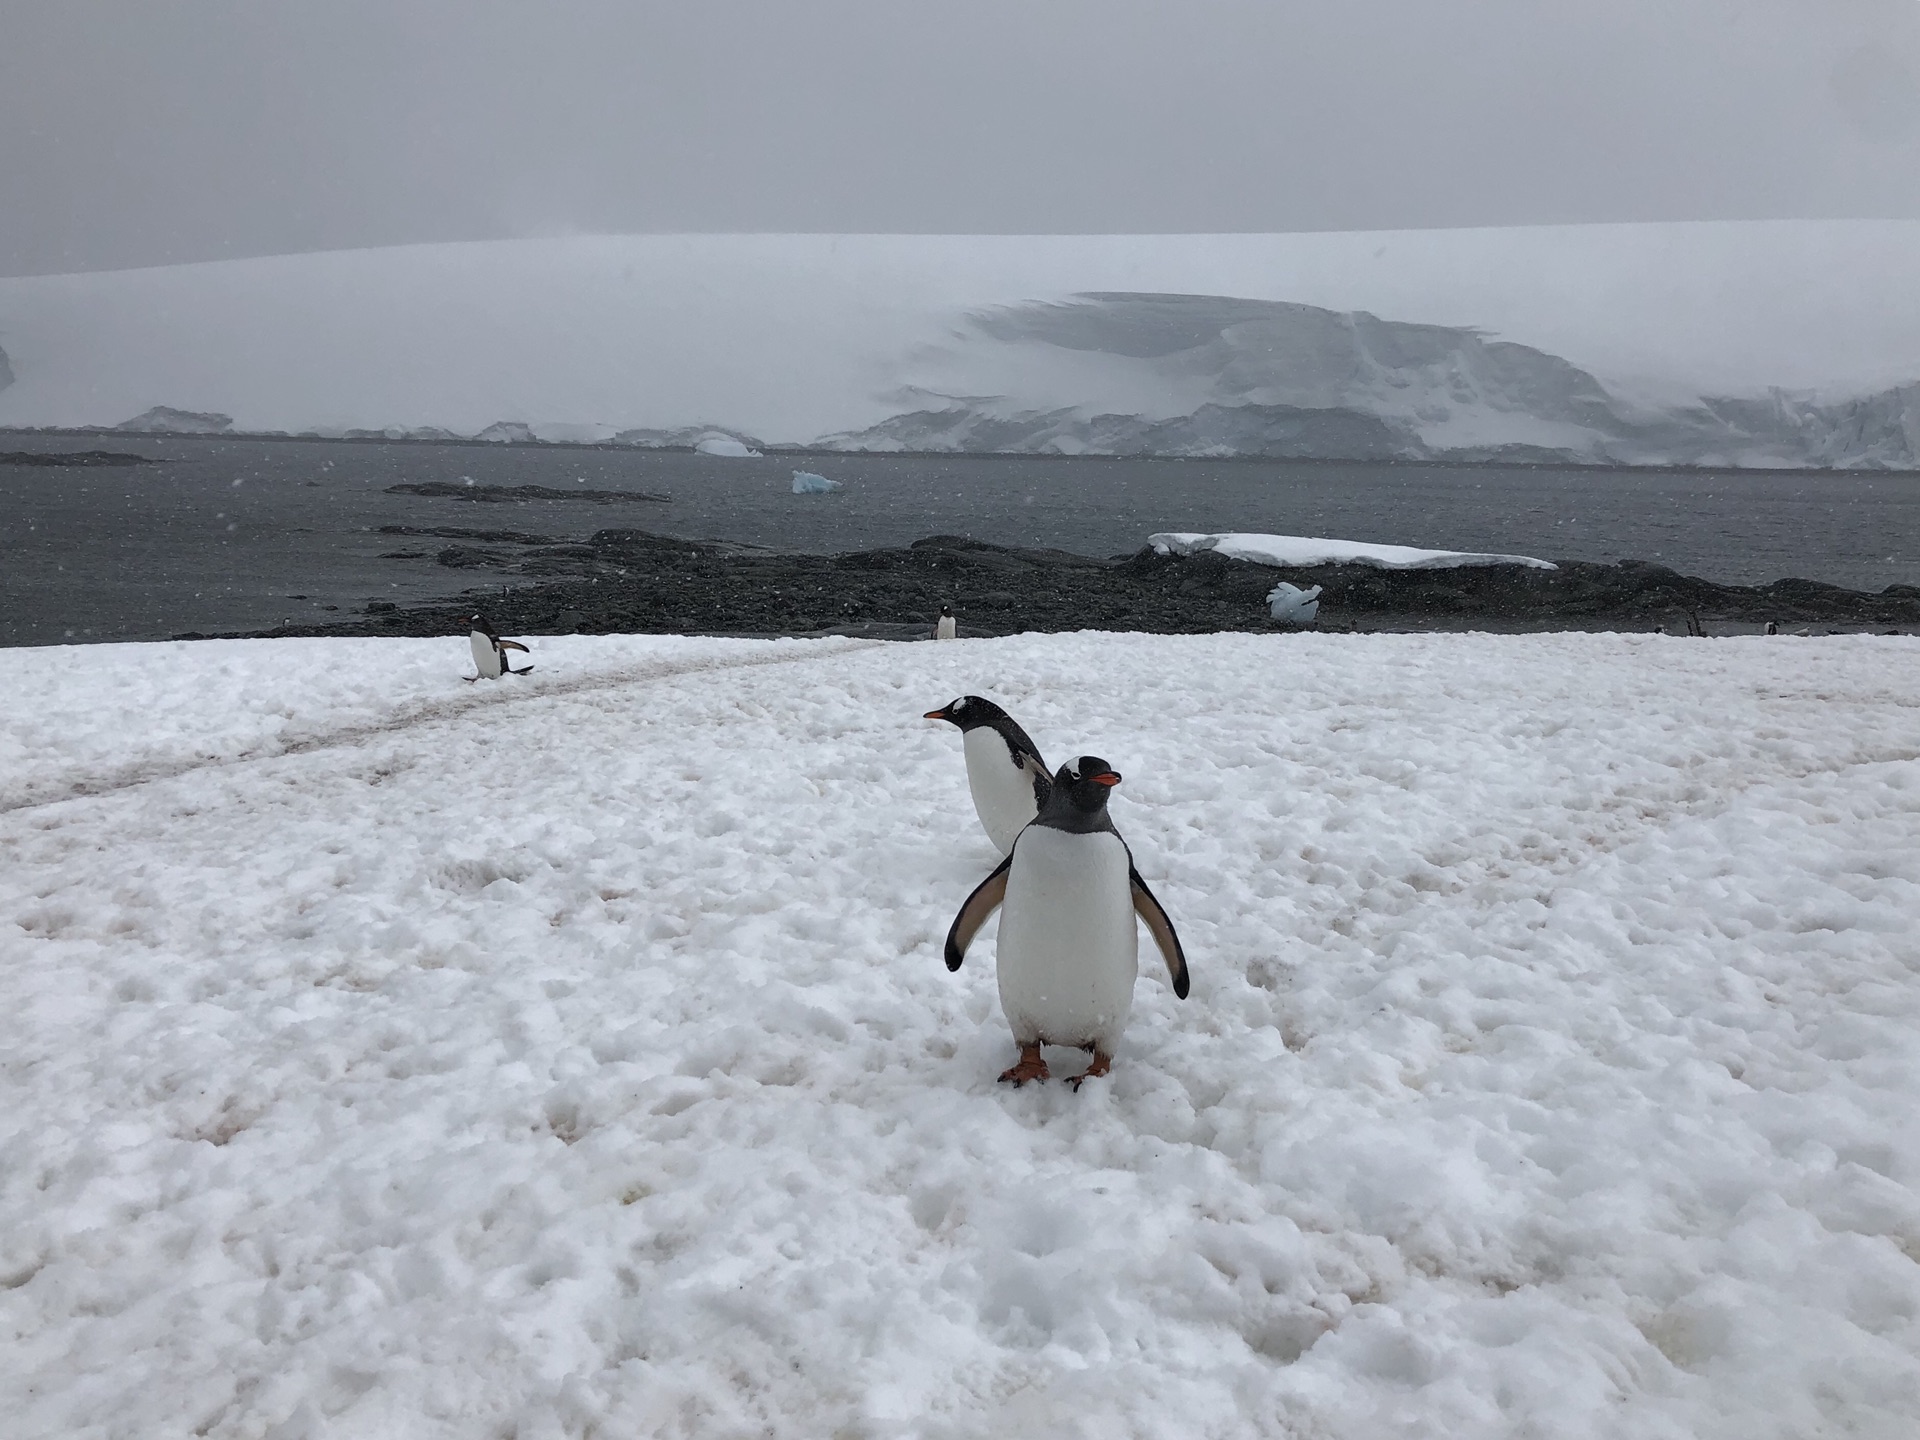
pixel 1313 550
pixel 1292 604
pixel 805 482
pixel 719 443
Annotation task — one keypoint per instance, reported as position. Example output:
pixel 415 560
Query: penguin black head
pixel 947 611
pixel 480 623
pixel 1078 800
pixel 1087 781
pixel 970 712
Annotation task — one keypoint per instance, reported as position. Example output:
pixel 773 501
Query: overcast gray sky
pixel 150 131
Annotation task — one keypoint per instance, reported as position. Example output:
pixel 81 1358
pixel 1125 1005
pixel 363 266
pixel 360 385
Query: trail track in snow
pixel 31 793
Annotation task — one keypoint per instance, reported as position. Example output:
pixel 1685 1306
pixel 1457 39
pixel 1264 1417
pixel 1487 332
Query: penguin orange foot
pixel 1102 1064
pixel 1032 1066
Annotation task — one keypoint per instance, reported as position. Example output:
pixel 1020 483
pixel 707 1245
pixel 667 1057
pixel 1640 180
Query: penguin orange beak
pixel 934 715
pixel 1111 778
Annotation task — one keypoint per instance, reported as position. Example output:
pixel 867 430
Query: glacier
pixel 1754 344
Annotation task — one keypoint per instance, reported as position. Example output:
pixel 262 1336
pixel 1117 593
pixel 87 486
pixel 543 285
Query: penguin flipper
pixel 984 900
pixel 1149 909
pixel 514 645
pixel 1041 777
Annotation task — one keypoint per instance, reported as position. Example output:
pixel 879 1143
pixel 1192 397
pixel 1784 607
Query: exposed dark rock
pixel 452 532
pixel 498 494
pixel 83 459
pixel 626 581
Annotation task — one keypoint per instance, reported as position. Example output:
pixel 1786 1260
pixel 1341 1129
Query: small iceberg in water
pixel 805 482
pixel 1292 604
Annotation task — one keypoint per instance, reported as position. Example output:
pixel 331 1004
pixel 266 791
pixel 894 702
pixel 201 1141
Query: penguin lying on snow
pixel 1068 951
pixel 490 651
pixel 1008 778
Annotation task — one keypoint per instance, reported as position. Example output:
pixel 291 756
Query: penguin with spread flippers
pixel 1068 951
pixel 1008 778
pixel 490 651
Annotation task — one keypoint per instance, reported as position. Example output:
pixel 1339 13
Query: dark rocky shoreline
pixel 632 581
pixel 74 459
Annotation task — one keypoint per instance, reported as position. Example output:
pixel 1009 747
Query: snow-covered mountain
pixel 1206 375
pixel 1790 343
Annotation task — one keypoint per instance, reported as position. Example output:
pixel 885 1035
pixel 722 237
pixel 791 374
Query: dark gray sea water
pixel 247 534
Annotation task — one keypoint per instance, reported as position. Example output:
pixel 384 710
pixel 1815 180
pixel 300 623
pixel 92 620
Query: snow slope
pixel 391 1056
pixel 789 338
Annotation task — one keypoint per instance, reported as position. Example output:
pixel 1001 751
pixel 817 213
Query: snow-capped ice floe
pixel 805 482
pixel 385 1055
pixel 1313 550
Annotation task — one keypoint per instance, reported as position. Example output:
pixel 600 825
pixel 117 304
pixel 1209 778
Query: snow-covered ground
pixel 387 1056
pixel 1314 550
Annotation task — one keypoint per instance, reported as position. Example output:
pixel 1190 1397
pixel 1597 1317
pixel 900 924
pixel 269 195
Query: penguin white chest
pixel 1002 791
pixel 1068 952
pixel 486 659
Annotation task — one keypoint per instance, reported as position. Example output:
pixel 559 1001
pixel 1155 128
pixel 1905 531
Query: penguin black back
pixel 970 712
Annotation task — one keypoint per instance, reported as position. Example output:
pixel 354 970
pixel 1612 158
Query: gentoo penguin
pixel 490 651
pixel 1773 627
pixel 1068 951
pixel 945 628
pixel 1008 778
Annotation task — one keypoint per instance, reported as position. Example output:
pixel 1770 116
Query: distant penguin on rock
pixel 490 651
pixel 1068 951
pixel 1005 771
pixel 946 627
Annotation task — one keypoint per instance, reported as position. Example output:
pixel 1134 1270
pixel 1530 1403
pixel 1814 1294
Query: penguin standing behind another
pixel 1068 952
pixel 1008 778
pixel 490 651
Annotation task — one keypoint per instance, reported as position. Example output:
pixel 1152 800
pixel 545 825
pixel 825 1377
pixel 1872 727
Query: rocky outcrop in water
pixel 508 494
pixel 73 459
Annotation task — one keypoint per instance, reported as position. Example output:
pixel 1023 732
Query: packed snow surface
pixel 1313 550
pixel 573 1055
